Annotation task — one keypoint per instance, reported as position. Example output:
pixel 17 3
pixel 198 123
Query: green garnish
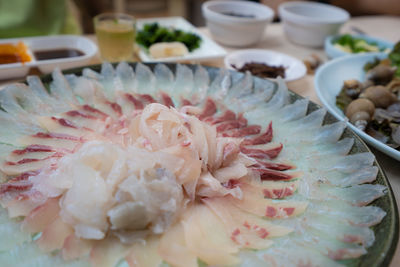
pixel 352 44
pixel 154 33
pixel 394 57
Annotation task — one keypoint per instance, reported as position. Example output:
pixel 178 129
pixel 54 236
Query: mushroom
pixel 379 95
pixel 381 74
pixel 360 111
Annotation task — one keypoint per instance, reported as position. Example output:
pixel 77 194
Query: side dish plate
pixel 329 81
pixel 208 48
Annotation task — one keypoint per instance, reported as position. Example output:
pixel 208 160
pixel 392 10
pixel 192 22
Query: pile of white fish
pixel 336 186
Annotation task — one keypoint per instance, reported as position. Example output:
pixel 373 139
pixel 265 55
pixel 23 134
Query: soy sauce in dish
pixel 57 53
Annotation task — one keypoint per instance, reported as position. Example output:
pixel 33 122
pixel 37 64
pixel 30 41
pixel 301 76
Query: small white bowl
pixel 295 69
pixel 309 23
pixel 234 30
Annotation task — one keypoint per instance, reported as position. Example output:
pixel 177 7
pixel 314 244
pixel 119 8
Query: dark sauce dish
pixel 50 52
pixel 57 53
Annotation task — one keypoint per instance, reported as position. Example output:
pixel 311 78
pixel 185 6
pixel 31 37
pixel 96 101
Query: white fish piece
pixel 242 88
pixel 359 195
pixel 330 133
pixel 220 84
pixel 364 175
pixel 361 216
pixel 201 81
pixel 29 101
pixel 280 98
pixel 126 74
pixel 354 162
pixel 12 130
pixel 91 74
pixel 312 120
pixel 164 78
pixel 37 87
pixel 60 88
pixel 294 111
pixel 8 102
pixel 145 80
pixel 341 147
pixel 342 231
pixel 183 82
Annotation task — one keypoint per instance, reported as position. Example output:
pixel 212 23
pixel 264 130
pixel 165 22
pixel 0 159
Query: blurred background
pixel 44 17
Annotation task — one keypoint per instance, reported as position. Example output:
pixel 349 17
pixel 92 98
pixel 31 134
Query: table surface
pixel 384 27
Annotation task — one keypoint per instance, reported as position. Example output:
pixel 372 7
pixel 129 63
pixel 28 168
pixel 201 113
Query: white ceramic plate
pixel 86 46
pixel 207 50
pixel 295 69
pixel 329 81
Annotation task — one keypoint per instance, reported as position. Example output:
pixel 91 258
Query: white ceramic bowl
pixel 295 69
pixel 309 23
pixel 233 30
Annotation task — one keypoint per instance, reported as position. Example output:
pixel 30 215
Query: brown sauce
pixel 57 53
pixel 262 70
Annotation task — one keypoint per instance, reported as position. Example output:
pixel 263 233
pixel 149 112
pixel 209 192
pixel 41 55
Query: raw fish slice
pixel 12 131
pixel 173 248
pixel 91 74
pixel 61 89
pixel 109 83
pixel 29 101
pixel 280 98
pixel 37 87
pixel 344 232
pixel 359 195
pixel 330 247
pixel 364 175
pixel 201 81
pixel 145 80
pixel 9 104
pixel 53 235
pixel 105 254
pixel 352 163
pixel 241 88
pixel 183 85
pixel 312 120
pixel 294 111
pixel 206 237
pixel 75 248
pixel 291 255
pixel 40 217
pixel 165 80
pixel 220 85
pixel 126 75
pixel 361 216
pixel 330 133
pixel 145 255
pixel 10 232
pixel 342 148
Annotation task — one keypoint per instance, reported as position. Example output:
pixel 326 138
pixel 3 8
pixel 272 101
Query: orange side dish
pixel 14 53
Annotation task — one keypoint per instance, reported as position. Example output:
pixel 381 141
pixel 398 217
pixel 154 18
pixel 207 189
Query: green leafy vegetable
pixel 394 57
pixel 352 44
pixel 154 33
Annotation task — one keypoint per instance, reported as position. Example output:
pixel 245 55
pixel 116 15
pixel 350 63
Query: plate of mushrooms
pixel 364 90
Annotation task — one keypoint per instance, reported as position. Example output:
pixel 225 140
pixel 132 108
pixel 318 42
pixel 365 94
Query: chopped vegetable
pixel 350 44
pixel 154 33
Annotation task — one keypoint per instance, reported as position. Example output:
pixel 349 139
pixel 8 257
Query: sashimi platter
pixel 157 165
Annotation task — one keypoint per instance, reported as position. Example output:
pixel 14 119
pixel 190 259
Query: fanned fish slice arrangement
pixel 162 167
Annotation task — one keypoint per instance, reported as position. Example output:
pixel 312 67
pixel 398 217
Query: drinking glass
pixel 115 34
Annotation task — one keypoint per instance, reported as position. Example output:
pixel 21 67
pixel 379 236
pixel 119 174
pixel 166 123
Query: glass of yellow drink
pixel 115 34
